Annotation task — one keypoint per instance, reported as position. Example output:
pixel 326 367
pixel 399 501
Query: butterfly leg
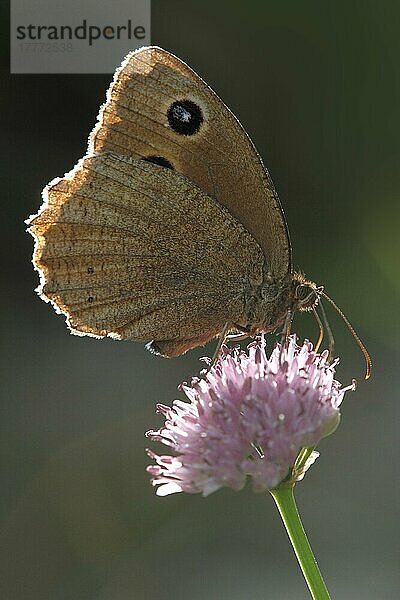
pixel 321 330
pixel 329 333
pixel 229 337
pixel 221 341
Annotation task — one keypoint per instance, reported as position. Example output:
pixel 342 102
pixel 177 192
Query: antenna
pixel 363 349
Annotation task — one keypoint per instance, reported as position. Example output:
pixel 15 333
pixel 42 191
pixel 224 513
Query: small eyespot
pixel 185 117
pixel 159 160
pixel 90 299
pixel 90 270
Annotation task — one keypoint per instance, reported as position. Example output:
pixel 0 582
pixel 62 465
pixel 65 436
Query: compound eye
pixel 302 292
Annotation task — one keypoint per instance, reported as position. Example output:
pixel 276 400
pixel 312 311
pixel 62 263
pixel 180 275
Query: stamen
pixel 285 333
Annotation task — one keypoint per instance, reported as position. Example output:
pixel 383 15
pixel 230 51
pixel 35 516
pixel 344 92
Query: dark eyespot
pixel 90 270
pixel 185 117
pixel 159 160
pixel 90 299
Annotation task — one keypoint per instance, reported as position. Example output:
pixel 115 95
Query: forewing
pixel 218 156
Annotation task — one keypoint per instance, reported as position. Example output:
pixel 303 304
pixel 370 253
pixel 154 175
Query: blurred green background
pixel 316 85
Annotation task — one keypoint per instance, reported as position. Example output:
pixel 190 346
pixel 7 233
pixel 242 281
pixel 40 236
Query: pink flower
pixel 249 416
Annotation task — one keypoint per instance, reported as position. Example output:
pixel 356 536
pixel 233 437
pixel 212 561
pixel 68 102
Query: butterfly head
pixel 306 294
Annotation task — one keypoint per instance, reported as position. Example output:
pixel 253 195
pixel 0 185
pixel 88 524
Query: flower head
pixel 249 416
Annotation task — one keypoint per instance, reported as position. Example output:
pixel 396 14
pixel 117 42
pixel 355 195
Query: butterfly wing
pixel 158 108
pixel 132 250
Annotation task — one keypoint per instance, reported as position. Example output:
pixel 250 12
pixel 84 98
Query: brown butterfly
pixel 169 230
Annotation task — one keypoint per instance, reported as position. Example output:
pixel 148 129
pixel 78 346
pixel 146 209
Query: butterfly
pixel 169 231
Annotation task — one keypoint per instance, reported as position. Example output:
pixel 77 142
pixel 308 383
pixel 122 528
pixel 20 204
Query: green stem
pixel 284 499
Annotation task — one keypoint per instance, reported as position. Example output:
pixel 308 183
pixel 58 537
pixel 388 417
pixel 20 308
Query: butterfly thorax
pixel 268 306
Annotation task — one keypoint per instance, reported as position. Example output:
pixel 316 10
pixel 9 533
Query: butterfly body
pixel 169 230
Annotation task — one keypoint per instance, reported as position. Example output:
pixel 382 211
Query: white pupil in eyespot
pixel 181 114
